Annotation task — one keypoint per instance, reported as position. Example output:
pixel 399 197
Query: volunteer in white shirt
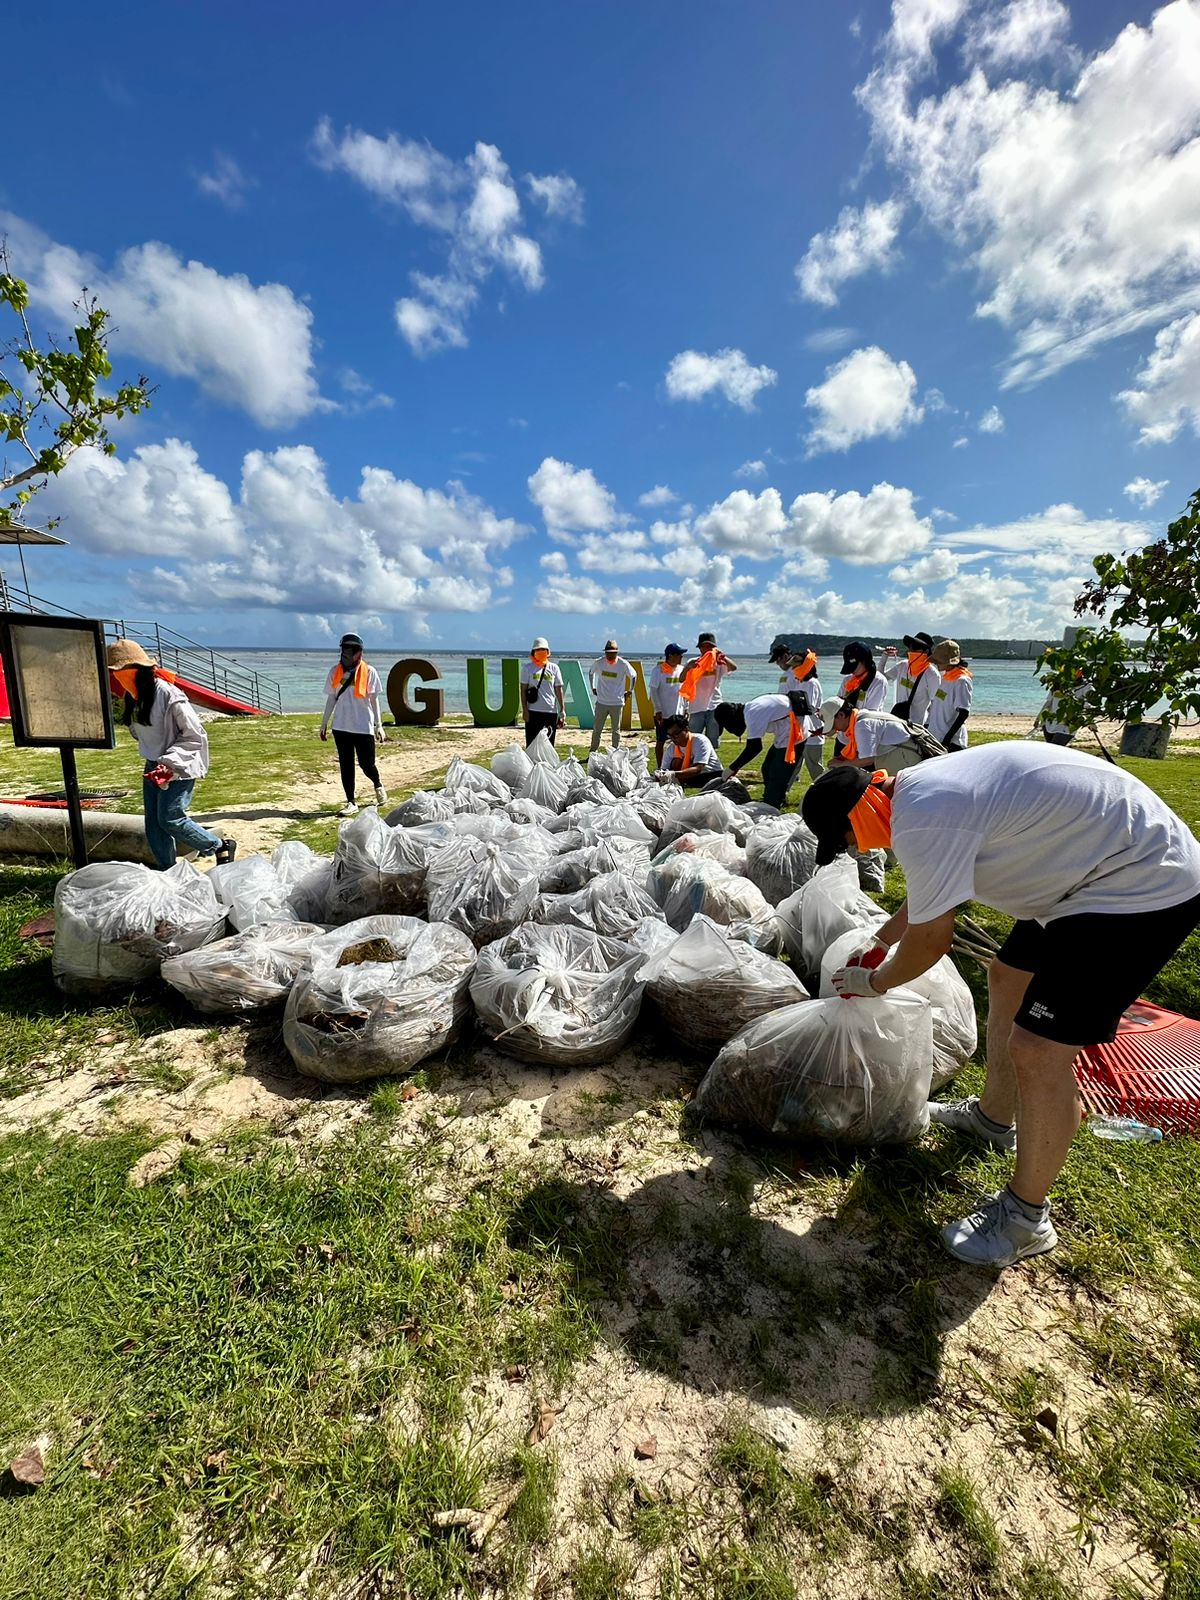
pixel 870 739
pixel 174 749
pixel 612 681
pixel 543 708
pixel 1104 882
pixel 664 693
pixel 768 714
pixel 799 678
pixel 691 759
pixel 701 686
pixel 914 677
pixel 862 682
pixel 951 703
pixel 352 706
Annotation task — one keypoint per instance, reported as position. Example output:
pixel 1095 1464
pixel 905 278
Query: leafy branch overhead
pixel 1155 594
pixel 51 401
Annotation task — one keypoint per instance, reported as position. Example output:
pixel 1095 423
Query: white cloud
pixel 361 395
pixel 711 582
pixel 991 421
pixel 751 469
pixel 862 530
pixel 226 182
pixel 1019 32
pixel 660 495
pixel 1076 206
pixel 747 523
pixel 936 567
pixel 824 341
pixel 617 552
pixel 961 442
pixel 860 241
pixel 246 345
pixel 865 395
pixel 1144 491
pixel 287 541
pixel 571 499
pixel 473 203
pixel 561 195
pixel 1060 529
pixel 1167 395
pixel 554 561
pixel 692 375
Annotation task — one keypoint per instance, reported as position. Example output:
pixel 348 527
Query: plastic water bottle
pixel 1128 1128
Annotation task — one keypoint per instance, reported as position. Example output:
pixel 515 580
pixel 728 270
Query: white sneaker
pixel 964 1116
pixel 348 810
pixel 999 1234
pixel 380 795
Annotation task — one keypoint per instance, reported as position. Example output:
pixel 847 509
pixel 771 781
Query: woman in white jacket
pixel 174 747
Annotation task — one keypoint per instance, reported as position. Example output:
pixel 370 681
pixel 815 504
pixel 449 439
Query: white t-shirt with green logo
pixel 611 680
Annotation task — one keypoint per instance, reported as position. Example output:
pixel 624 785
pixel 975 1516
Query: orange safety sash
pixel 691 678
pixel 794 738
pixel 953 673
pixel 682 759
pixel 871 818
pixel 127 678
pixel 361 679
pixel 850 744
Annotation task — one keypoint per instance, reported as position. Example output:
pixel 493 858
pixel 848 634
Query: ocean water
pixel 1007 685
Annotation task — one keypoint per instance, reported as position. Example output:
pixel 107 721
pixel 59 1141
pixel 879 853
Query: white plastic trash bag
pixel 305 876
pixel 545 785
pixel 780 857
pixel 654 805
pixel 683 884
pixel 115 923
pixel 248 972
pixel 466 776
pixel 613 904
pixel 377 871
pixel 955 1028
pixel 711 813
pixel 561 995
pixel 525 811
pixel 490 897
pixel 250 890
pixel 611 820
pixel 720 847
pixel 420 808
pixel 539 749
pixel 827 906
pixel 377 997
pixel 708 987
pixel 852 1070
pixel 511 765
pixel 616 770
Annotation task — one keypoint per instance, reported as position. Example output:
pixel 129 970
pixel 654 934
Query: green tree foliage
pixel 52 402
pixel 1155 595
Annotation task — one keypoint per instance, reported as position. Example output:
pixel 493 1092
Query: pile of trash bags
pixel 565 909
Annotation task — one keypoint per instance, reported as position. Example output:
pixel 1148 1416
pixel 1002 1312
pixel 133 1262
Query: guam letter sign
pixel 426 706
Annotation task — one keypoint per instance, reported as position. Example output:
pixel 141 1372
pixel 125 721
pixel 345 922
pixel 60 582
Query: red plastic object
pixel 1150 1071
pixel 212 701
pixel 53 805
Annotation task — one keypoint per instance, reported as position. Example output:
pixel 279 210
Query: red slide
pixel 212 701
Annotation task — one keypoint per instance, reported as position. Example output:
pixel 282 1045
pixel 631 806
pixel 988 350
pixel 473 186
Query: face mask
pixel 871 818
pixel 350 658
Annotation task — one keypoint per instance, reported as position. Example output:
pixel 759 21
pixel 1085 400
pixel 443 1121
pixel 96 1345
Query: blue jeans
pixel 168 826
pixel 705 722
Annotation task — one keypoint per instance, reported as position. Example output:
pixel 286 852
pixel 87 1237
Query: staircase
pixel 211 679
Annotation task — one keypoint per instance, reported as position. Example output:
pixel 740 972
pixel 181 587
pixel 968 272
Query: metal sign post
pixel 59 696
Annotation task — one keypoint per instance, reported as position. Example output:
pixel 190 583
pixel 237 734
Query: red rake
pixel 1150 1071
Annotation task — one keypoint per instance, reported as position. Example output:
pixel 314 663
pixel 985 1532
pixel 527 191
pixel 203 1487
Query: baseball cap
pixel 918 641
pixel 673 650
pixel 856 650
pixel 830 709
pixel 827 805
pixel 610 644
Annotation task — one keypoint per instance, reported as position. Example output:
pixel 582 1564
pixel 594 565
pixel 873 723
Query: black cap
pixel 856 650
pixel 730 717
pixel 827 805
pixel 705 638
pixel 351 638
pixel 918 641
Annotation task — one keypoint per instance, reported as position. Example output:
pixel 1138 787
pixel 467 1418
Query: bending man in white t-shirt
pixel 768 714
pixel 1104 882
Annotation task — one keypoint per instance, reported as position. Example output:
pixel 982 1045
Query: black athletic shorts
pixel 1087 970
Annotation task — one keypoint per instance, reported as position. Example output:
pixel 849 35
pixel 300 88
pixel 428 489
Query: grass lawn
pixel 265 1374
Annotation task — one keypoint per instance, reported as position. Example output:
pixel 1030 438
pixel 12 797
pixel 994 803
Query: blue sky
pixel 474 322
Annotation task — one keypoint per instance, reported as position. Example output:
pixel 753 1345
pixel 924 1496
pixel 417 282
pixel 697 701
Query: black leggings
pixel 350 745
pixel 539 721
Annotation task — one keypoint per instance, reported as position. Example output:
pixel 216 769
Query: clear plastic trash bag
pixel 545 785
pixel 377 871
pixel 539 749
pixel 613 904
pixel 465 775
pixel 720 847
pixel 472 802
pixel 420 808
pixel 955 1028
pixel 251 971
pixel 708 986
pixel 617 770
pixel 781 855
pixel 251 891
pixel 710 813
pixel 590 792
pixel 852 1070
pixel 115 923
pixel 511 765
pixel 683 885
pixel 383 1014
pixel 489 898
pixel 821 910
pixel 654 805
pixel 560 995
pixel 610 820
pixel 305 875
pixel 527 811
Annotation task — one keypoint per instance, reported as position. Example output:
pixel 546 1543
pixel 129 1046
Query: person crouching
pixel 689 758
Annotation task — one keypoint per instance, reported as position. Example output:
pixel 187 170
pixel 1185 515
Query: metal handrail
pixel 199 663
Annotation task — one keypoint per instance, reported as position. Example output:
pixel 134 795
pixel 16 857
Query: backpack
pixel 927 745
